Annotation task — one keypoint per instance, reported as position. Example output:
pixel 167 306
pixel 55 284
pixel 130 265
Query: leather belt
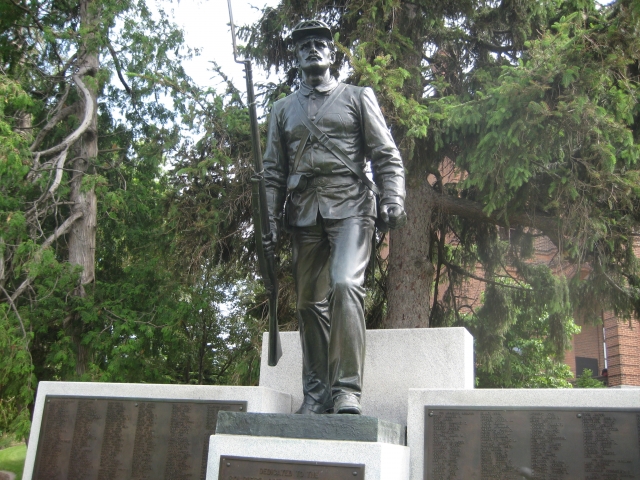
pixel 332 180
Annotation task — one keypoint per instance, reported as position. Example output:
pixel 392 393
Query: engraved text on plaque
pixel 552 444
pixel 126 439
pixel 249 468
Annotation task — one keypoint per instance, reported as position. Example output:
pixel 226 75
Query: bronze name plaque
pixel 552 444
pixel 248 468
pixel 126 439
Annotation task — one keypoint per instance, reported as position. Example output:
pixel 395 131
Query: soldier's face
pixel 314 55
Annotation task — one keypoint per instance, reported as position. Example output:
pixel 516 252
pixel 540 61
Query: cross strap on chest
pixel 324 139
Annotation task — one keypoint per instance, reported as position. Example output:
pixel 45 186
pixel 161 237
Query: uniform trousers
pixel 329 263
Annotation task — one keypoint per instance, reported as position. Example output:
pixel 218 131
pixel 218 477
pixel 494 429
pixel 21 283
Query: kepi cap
pixel 310 28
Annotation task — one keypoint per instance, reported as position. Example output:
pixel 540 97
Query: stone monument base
pixel 357 428
pixel 91 430
pixel 395 361
pixel 605 424
pixel 382 461
pixel 352 446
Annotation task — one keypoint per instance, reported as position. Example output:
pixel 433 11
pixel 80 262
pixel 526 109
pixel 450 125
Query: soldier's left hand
pixel 393 215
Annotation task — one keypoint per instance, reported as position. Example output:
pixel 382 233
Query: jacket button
pixel 313 97
pixel 313 118
pixel 317 171
pixel 316 145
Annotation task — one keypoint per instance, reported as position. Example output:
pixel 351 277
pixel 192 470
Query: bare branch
pixel 462 271
pixel 2 246
pixel 13 306
pixel 630 293
pixel 66 66
pixel 58 117
pixel 496 48
pixel 61 230
pixel 30 13
pixel 116 62
pixel 88 115
pixel 469 209
pixel 24 330
pixel 58 165
pixel 59 169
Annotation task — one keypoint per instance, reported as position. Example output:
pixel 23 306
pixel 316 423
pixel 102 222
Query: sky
pixel 206 26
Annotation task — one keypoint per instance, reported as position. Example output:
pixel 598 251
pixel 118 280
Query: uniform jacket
pixel 355 123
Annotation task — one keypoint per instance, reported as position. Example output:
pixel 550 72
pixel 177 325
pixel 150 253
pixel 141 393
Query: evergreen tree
pixel 94 102
pixel 516 120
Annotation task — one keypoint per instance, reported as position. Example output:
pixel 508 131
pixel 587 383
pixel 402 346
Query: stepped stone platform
pixel 609 406
pixel 380 461
pixel 90 430
pixel 395 361
pixel 355 428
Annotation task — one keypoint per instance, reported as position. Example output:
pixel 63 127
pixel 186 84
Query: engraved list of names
pixel 126 439
pixel 487 443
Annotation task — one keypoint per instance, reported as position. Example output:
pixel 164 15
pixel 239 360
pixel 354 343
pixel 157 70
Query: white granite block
pixel 382 461
pixel 259 399
pixel 395 361
pixel 529 398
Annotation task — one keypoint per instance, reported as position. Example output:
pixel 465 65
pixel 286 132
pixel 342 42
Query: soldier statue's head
pixel 314 47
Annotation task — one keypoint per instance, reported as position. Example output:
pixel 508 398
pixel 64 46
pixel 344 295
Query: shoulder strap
pixel 335 149
pixel 296 161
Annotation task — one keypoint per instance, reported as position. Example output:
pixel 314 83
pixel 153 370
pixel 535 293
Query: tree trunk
pixel 410 268
pixel 82 236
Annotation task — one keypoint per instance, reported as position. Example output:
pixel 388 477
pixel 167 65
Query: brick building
pixel 614 345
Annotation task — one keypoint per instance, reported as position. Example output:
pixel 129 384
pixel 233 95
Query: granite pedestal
pixel 121 399
pixel 377 446
pixel 382 461
pixel 395 361
pixel 357 428
pixel 531 399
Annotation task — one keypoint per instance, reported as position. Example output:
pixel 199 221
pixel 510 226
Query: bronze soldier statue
pixel 318 142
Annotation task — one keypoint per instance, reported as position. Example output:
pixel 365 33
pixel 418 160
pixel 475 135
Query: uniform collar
pixel 323 89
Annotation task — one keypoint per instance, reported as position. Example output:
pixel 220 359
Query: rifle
pixel 261 226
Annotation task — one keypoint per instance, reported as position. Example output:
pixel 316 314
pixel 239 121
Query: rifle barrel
pixel 261 226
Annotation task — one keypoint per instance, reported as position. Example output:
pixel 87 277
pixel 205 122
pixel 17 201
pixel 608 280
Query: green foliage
pixel 167 305
pixel 524 355
pixel 586 380
pixel 16 368
pixel 13 148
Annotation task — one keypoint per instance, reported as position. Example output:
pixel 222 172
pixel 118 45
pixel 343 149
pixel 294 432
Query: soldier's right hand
pixel 269 242
pixel 393 215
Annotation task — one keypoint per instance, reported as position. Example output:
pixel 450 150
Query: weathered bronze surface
pixel 241 468
pixel 320 141
pixel 515 443
pixel 126 439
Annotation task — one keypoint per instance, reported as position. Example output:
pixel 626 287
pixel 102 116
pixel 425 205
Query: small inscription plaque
pixel 552 444
pixel 248 468
pixel 126 439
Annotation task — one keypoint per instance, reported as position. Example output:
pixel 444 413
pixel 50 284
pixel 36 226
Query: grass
pixel 12 459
